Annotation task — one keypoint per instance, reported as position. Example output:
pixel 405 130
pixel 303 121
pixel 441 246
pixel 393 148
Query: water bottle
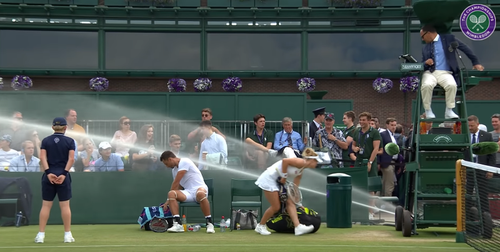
pixel 196 228
pixel 223 225
pixel 19 218
pixel 184 222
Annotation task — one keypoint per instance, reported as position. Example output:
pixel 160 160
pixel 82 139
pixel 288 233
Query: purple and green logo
pixel 478 22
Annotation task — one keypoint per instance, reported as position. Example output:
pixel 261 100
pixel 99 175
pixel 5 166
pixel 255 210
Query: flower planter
pixel 320 3
pixel 290 3
pixel 115 3
pixel 266 3
pixel 242 3
pixel 317 95
pixel 219 3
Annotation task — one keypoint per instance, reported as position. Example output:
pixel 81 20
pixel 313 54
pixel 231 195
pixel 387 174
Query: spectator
pixel 108 161
pixel 143 153
pixel 26 162
pixel 6 153
pixel 124 138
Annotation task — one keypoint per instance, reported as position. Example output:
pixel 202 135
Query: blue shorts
pixel 50 190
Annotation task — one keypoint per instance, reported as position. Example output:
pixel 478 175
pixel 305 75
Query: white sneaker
pixel 69 239
pixel 273 153
pixel 39 238
pixel 210 228
pixel 449 114
pixel 176 228
pixel 262 229
pixel 429 114
pixel 303 229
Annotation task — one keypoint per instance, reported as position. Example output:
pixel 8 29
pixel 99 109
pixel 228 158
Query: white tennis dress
pixel 267 181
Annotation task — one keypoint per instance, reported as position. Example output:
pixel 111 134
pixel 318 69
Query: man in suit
pixel 386 161
pixel 316 124
pixel 478 136
pixel 441 67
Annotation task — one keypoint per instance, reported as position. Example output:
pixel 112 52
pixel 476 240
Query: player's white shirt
pixel 192 179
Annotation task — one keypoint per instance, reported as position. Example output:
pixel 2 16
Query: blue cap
pixel 59 121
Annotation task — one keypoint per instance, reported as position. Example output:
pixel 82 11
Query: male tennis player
pixel 57 155
pixel 194 189
pixel 286 169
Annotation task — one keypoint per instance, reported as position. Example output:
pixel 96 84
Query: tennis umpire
pixel 57 155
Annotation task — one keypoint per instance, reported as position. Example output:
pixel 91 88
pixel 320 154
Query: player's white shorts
pixel 191 194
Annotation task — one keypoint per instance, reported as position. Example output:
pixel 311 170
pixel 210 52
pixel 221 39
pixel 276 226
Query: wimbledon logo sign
pixel 478 22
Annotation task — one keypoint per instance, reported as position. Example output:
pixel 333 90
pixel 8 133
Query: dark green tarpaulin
pixel 439 13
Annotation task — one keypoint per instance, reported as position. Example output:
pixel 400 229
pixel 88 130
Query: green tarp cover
pixel 439 13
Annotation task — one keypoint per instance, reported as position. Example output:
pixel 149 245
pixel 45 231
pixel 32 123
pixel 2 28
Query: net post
pixel 460 183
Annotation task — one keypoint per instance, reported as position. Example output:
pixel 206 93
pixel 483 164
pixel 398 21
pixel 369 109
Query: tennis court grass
pixel 126 238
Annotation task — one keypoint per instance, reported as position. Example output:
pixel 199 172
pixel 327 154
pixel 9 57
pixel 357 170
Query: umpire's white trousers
pixel 289 153
pixel 444 79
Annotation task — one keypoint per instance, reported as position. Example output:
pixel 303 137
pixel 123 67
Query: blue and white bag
pixel 149 213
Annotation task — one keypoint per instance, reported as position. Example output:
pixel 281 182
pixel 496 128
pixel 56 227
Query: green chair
pixel 210 185
pixel 245 188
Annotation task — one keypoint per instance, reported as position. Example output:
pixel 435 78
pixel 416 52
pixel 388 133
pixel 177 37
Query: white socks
pixel 67 233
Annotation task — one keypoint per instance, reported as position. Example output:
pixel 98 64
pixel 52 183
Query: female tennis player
pixel 286 169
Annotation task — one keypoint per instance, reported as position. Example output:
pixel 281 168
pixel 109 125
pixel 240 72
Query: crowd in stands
pixel 356 145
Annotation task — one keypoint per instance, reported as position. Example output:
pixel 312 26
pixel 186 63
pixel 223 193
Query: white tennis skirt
pixel 267 181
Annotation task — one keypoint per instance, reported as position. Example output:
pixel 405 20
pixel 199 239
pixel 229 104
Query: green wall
pixel 154 106
pixel 118 197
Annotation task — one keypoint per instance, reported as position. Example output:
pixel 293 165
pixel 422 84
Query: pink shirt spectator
pixel 123 142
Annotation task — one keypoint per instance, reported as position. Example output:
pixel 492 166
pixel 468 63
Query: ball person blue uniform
pixel 57 155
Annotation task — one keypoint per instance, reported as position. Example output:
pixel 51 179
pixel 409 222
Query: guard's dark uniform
pixel 57 147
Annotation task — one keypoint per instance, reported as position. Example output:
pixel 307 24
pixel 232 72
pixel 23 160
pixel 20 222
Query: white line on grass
pixel 230 245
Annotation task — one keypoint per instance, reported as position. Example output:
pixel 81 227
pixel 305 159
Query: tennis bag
pixel 281 223
pixel 246 219
pixel 149 213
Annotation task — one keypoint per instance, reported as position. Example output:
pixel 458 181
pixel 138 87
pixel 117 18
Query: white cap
pixel 483 127
pixel 104 145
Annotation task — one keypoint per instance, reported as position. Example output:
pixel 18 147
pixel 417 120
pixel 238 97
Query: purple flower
pixel 232 84
pixel 99 84
pixel 21 81
pixel 202 84
pixel 176 85
pixel 409 84
pixel 306 84
pixel 382 85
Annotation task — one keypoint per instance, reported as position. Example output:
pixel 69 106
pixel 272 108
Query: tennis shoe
pixel 39 238
pixel 210 228
pixel 176 228
pixel 303 229
pixel 262 229
pixel 68 239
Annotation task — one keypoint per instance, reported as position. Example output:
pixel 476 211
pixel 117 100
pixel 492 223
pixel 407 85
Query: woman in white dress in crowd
pixel 287 168
pixel 124 138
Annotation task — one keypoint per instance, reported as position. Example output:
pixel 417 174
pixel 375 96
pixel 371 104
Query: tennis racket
pixel 158 225
pixel 293 193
